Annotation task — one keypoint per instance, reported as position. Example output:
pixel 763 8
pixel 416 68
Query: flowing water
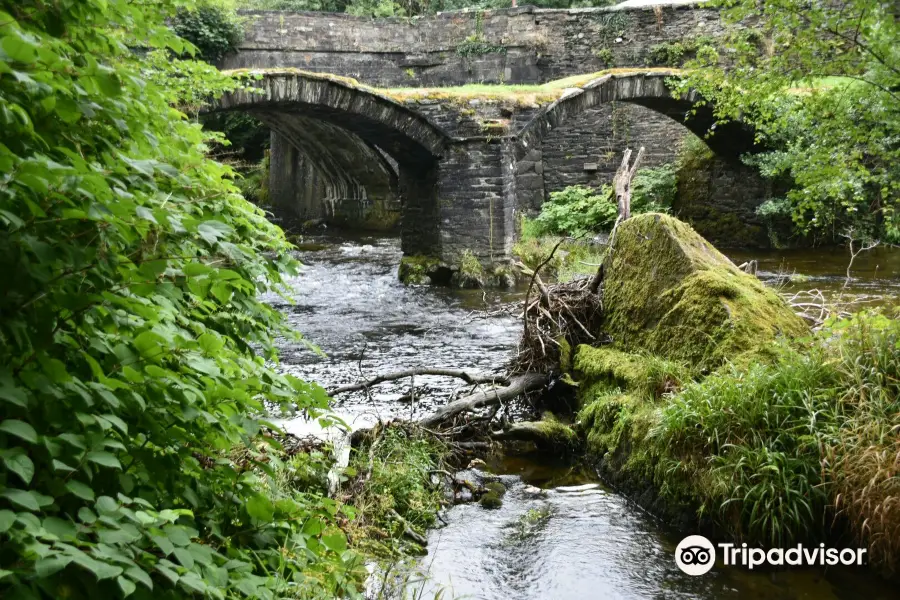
pixel 560 543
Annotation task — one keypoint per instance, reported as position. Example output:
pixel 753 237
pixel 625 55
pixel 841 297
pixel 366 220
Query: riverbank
pixel 380 325
pixel 800 448
pixel 714 406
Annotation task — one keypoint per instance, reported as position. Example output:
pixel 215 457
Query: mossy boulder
pixel 469 272
pixel 548 435
pixel 491 500
pixel 609 418
pixel 646 375
pixel 495 487
pixel 423 270
pixel 669 292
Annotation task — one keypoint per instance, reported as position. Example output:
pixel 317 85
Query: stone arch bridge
pixel 460 168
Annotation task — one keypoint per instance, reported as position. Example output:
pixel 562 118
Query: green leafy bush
pixel 654 189
pixel 136 355
pixel 248 137
pixel 254 182
pixel 211 27
pixel 577 211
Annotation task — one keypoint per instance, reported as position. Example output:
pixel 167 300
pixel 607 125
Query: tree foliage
pixel 136 355
pixel 211 27
pixel 820 82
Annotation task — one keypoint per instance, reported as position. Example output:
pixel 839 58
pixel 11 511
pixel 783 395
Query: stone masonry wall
pixel 719 198
pixel 471 187
pixel 517 45
pixel 588 149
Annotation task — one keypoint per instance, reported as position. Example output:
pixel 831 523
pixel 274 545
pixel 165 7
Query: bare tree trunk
pixel 622 182
pixel 464 375
pixel 517 385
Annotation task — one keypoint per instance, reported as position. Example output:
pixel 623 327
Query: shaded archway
pixel 340 129
pixel 579 140
pixel 647 89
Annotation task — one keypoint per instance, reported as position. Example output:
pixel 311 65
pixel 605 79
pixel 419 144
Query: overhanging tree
pixel 820 82
pixel 135 355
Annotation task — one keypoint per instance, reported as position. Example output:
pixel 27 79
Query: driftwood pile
pixel 555 320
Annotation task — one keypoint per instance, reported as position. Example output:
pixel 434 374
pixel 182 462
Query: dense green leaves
pixel 578 210
pixel 820 82
pixel 211 27
pixel 136 356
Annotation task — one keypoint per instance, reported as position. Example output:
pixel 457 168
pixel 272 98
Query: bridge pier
pixel 420 214
pixel 476 194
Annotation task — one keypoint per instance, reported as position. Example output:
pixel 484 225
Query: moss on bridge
pixel 523 95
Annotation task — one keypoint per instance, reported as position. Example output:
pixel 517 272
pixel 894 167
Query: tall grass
pixel 864 463
pixel 776 451
pixel 391 488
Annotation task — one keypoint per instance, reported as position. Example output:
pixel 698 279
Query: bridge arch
pixel 648 89
pixel 335 130
pixel 578 140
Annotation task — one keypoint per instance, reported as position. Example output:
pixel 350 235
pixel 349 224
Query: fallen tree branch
pixel 408 531
pixel 458 373
pixel 517 385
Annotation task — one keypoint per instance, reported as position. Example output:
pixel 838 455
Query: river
pixel 560 544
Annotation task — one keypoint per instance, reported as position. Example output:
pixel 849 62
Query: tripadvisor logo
pixel 696 555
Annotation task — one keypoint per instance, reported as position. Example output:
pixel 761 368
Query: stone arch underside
pixel 330 137
pixel 645 89
pixel 320 171
pixel 579 140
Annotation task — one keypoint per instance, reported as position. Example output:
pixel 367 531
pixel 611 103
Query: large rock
pixel 669 292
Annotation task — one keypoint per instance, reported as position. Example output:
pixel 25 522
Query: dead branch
pixel 408 531
pixel 866 246
pixel 518 384
pixel 535 276
pixel 751 267
pixel 622 182
pixel 377 430
pixel 482 446
pixel 812 306
pixel 458 373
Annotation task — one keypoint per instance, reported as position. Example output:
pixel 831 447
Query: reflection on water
pixel 874 278
pixel 561 545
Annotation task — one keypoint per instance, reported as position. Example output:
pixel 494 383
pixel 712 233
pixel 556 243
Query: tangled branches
pixel 557 319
